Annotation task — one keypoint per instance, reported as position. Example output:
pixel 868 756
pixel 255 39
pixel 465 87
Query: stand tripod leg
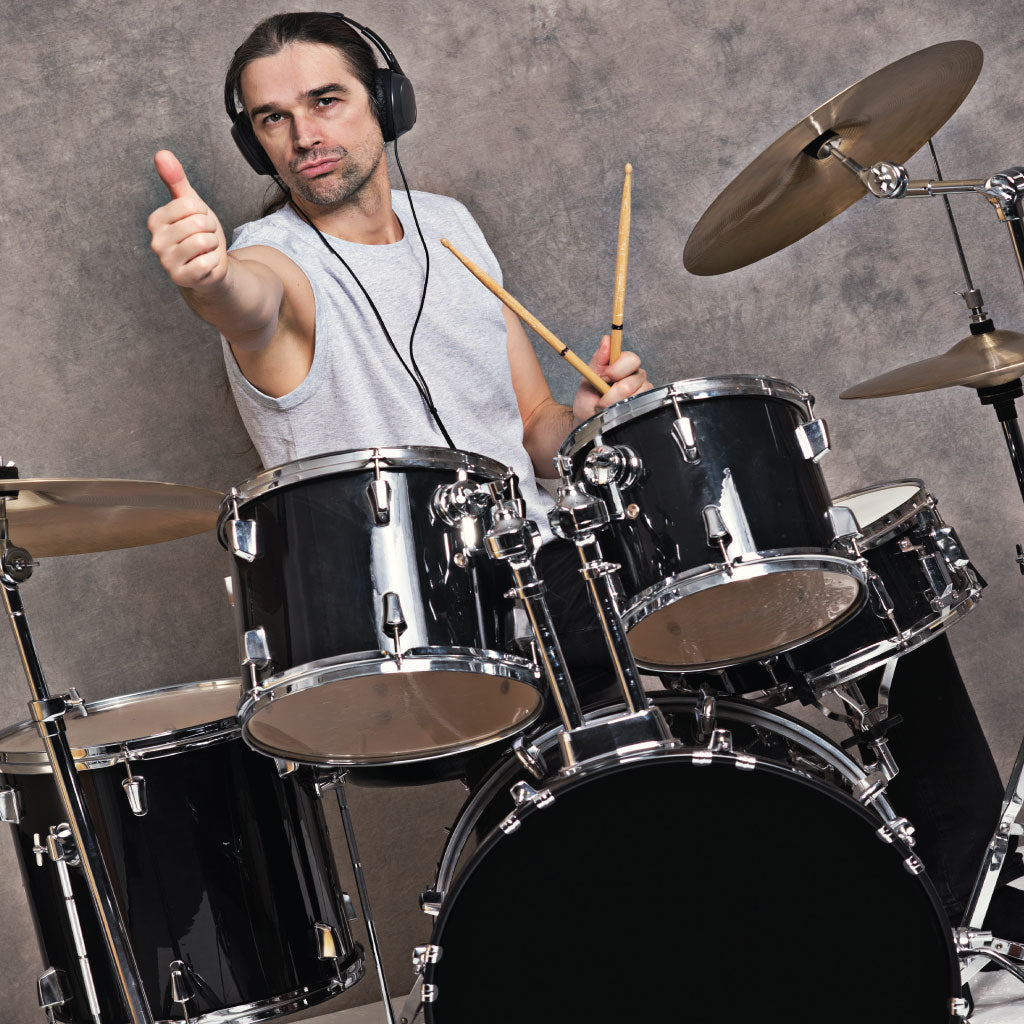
pixel 364 896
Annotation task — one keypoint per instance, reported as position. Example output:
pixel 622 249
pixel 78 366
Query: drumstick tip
pixel 629 168
pixel 446 243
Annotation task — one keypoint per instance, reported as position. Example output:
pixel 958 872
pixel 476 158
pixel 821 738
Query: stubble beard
pixel 343 187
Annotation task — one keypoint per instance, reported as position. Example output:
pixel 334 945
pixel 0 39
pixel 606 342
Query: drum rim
pixel 765 563
pixel 288 474
pixel 349 666
pixel 160 744
pixel 879 530
pixel 735 385
pixel 743 711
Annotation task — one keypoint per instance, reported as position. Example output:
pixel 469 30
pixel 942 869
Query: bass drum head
pixel 665 890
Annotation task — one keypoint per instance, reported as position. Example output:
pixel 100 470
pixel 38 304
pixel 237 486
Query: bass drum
pixel 726 882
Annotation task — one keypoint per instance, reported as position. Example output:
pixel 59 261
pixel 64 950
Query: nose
pixel 306 132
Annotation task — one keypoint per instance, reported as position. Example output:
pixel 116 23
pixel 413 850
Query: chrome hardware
pixel 461 559
pixel 523 793
pixel 244 539
pixel 878 597
pixel 38 848
pixel 255 648
pixel 135 789
pixel 429 994
pixel 960 1008
pixel 813 439
pixel 350 908
pixel 948 543
pixel 393 621
pixel 327 945
pixel 530 758
pixel 379 494
pixel 430 902
pixel 563 467
pixel 17 564
pixel 865 790
pixel 914 865
pixel 229 586
pixel 611 465
pixel 577 514
pixel 898 828
pixel 686 439
pixel 10 805
pixel 716 530
pixel 843 523
pixel 52 989
pixel 60 845
pixel 182 989
pixel 452 503
pixel 632 510
pixel 509 824
pixel 937 572
pixel 720 742
pixel 423 955
pixel 75 703
pixel 706 711
pixel 284 767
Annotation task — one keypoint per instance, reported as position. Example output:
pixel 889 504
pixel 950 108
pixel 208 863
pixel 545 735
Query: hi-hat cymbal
pixel 71 517
pixel 979 361
pixel 785 194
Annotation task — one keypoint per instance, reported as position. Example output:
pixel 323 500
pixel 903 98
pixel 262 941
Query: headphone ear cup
pixel 396 102
pixel 245 140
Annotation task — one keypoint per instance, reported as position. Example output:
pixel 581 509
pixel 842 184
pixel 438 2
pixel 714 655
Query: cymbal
pixel 70 517
pixel 785 194
pixel 979 361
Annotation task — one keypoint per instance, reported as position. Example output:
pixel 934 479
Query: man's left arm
pixel 546 423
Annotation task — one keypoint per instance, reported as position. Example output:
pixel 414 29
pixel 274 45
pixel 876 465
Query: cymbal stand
pixel 1005 191
pixel 48 712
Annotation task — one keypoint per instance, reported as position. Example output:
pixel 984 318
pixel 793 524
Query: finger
pixel 599 360
pixel 172 174
pixel 195 245
pixel 194 224
pixel 624 389
pixel 627 363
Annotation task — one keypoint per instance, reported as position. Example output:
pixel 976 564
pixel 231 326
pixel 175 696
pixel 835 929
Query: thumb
pixel 600 357
pixel 172 174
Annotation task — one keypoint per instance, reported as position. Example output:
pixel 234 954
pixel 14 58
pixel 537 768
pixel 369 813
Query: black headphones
pixel 393 92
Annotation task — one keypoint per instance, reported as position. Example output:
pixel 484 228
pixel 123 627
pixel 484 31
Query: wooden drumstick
pixel 521 311
pixel 621 262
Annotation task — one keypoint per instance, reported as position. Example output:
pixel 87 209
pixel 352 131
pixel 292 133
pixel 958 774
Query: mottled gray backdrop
pixel 528 112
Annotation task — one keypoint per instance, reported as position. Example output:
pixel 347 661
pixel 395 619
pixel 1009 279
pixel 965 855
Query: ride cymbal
pixel 785 193
pixel 74 516
pixel 979 361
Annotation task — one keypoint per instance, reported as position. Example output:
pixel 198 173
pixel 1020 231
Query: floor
pixel 998 999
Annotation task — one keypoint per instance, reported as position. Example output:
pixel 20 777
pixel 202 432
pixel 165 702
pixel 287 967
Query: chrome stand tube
pixel 337 783
pixel 576 517
pixel 48 713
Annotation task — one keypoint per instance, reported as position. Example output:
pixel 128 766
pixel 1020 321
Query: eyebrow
pixel 311 94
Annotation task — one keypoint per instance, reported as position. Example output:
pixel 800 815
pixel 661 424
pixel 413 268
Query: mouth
pixel 319 168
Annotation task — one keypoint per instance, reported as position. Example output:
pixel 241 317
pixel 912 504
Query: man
pixel 316 366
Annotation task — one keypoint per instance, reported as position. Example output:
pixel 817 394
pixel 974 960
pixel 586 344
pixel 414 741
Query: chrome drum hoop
pixel 726 386
pixel 675 588
pixel 886 526
pixel 367 664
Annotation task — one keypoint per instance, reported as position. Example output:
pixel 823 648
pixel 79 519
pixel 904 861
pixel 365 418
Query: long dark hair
pixel 274 33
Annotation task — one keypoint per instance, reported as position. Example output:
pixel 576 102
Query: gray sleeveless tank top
pixel 356 394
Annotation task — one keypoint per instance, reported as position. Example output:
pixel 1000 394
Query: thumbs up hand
pixel 187 237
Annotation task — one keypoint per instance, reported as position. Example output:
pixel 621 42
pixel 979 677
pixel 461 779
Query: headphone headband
pixel 393 94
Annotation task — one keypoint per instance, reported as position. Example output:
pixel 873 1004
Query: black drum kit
pixel 691 851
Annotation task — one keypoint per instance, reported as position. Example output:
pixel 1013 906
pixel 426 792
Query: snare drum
pixel 746 874
pixel 374 627
pixel 720 520
pixel 219 858
pixel 921 583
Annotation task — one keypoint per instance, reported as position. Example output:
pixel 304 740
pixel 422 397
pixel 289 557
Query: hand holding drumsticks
pixel 595 392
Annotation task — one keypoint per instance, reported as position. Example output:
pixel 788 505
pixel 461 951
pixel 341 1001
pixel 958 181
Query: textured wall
pixel 527 113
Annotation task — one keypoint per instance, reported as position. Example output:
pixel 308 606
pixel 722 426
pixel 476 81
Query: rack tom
pixel 375 629
pixel 721 521
pixel 219 858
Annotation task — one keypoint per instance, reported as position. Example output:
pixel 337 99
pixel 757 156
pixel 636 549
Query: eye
pixel 271 119
pixel 326 101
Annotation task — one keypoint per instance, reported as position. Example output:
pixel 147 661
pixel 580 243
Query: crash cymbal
pixel 71 517
pixel 785 194
pixel 979 361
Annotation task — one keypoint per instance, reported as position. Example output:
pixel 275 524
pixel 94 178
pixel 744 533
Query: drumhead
pixel 332 463
pixel 884 505
pixel 657 886
pixel 147 724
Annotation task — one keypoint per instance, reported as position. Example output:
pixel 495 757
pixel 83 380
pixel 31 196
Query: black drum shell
pixel 783 493
pixel 316 586
pixel 229 870
pixel 699 889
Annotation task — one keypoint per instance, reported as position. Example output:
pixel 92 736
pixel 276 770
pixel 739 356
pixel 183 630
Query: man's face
pixel 313 118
